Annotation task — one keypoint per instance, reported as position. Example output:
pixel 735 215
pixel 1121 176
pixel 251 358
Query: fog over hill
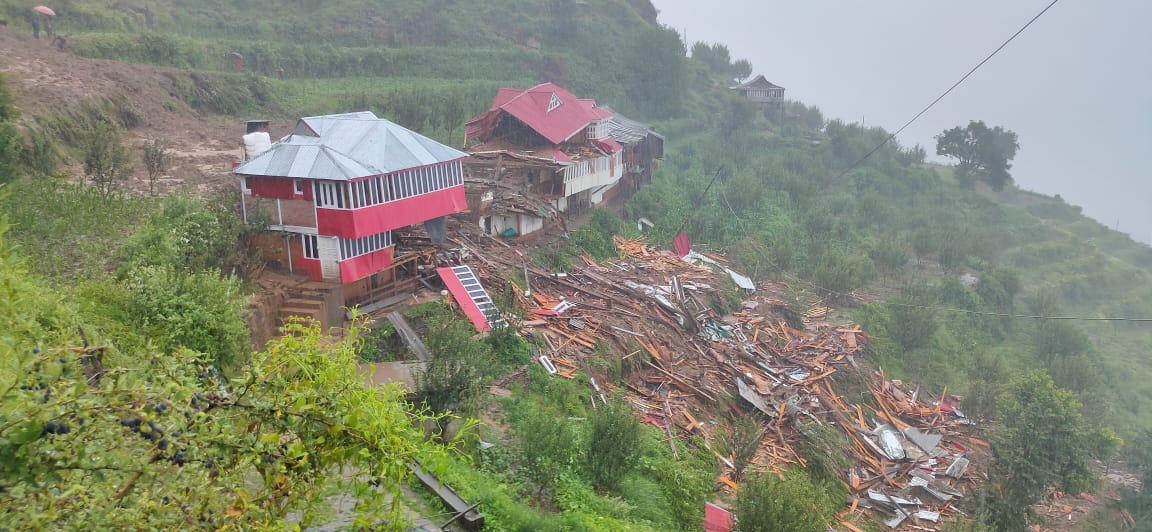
pixel 1075 86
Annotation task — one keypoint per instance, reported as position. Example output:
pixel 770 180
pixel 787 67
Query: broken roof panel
pixel 628 131
pixel 347 146
pixel 717 519
pixel 536 108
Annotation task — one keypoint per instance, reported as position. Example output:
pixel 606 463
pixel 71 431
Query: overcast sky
pixel 1076 86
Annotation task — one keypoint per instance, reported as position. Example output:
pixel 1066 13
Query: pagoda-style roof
pixel 757 82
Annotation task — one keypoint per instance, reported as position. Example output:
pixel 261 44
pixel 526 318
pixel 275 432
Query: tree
pixel 197 310
pixel 1139 502
pixel 613 443
pixel 657 71
pixel 547 447
pixel 913 318
pixel 106 160
pixel 738 114
pixel 156 160
pixel 715 56
pixel 983 153
pixel 741 441
pixel 1042 443
pixel 456 373
pixel 95 438
pixel 741 69
pixel 766 503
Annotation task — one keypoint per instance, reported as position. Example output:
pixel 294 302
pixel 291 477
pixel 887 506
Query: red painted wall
pixel 309 266
pixel 360 267
pixel 278 187
pixel 392 215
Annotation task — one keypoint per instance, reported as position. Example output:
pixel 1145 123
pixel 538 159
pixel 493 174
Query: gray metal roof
pixel 347 146
pixel 627 131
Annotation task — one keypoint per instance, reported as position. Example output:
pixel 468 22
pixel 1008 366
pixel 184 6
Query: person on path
pixel 36 26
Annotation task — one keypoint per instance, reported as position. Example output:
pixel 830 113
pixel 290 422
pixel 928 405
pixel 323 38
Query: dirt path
pixel 45 79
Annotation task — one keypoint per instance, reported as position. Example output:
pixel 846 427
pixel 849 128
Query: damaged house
pixel 540 154
pixel 332 193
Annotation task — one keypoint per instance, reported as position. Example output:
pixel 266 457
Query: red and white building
pixel 333 191
pixel 540 143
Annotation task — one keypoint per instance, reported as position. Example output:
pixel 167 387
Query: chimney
pixel 256 139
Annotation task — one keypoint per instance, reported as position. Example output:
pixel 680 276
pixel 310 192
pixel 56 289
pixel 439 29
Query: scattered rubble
pixel 694 366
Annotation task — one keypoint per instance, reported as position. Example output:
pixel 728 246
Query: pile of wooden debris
pixel 704 346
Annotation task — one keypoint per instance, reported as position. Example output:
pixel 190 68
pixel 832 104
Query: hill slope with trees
pixel 952 278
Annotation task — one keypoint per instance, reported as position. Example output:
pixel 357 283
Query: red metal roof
pixel 717 519
pixel 530 106
pixel 467 304
pixel 609 145
pixel 559 155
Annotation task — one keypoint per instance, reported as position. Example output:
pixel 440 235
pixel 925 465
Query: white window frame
pixel 554 102
pixel 298 186
pixel 351 248
pixel 310 248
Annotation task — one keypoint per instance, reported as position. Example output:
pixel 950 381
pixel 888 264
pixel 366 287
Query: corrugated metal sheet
pixel 628 131
pixel 347 146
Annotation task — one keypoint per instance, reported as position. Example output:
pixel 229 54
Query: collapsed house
pixel 332 193
pixel 543 154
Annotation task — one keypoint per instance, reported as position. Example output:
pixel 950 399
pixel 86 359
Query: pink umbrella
pixel 44 11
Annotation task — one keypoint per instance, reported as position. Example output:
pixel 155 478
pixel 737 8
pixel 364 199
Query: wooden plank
pixel 409 336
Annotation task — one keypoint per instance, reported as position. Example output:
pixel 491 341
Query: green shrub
pixel 189 234
pixel 791 504
pixel 613 444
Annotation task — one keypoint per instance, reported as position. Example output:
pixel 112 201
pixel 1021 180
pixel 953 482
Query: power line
pixel 941 97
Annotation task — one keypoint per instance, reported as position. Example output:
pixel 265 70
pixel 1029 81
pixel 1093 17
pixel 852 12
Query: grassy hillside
pixel 895 241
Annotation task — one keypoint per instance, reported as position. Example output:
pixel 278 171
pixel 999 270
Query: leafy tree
pixel 198 311
pixel 741 441
pixel 842 271
pixel 913 322
pixel 982 153
pixel 1139 502
pixel 547 446
pixel 40 154
pixel 106 160
pixel 613 443
pixel 741 69
pixel 1042 443
pixel 715 56
pixel 792 504
pixel 188 234
pixel 657 71
pixel 455 375
pixel 987 384
pixel 738 114
pixel 890 254
pixel 998 288
pixel 156 157
pixel 826 454
pixel 88 443
pixel 1051 338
